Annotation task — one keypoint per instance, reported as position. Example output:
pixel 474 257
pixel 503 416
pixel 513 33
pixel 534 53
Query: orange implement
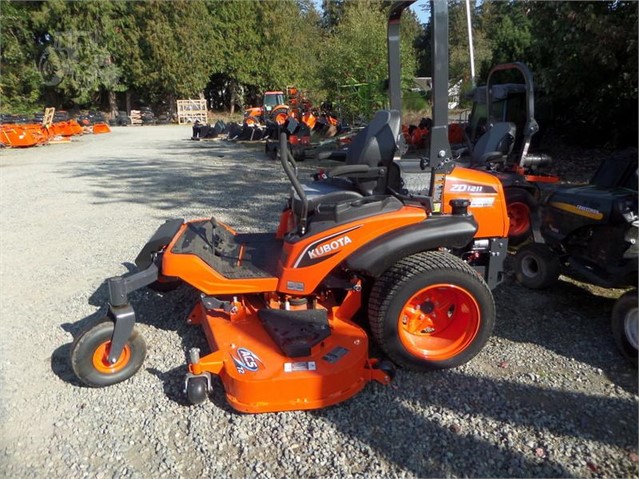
pixel 18 136
pixel 101 128
pixel 68 128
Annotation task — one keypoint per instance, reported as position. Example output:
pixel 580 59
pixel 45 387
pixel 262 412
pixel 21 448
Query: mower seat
pixel 372 150
pixel 496 144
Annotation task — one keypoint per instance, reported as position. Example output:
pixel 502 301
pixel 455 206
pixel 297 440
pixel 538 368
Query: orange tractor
pixel 286 313
pixel 273 107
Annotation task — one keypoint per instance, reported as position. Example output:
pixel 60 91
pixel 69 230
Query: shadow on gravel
pixel 61 365
pixel 568 320
pixel 224 179
pixel 437 447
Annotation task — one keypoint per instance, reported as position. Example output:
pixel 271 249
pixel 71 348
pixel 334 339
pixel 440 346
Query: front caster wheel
pixel 197 389
pixel 387 367
pixel 431 311
pixel 625 325
pixel 90 351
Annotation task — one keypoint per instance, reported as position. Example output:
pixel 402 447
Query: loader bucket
pixel 17 137
pixel 101 128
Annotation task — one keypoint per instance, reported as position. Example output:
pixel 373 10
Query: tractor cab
pixel 273 99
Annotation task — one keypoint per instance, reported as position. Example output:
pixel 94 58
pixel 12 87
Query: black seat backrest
pixel 499 138
pixel 619 170
pixel 375 146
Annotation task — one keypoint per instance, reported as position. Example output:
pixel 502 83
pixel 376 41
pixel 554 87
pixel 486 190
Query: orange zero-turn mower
pixel 286 313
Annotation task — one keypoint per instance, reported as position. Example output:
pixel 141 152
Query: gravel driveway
pixel 549 396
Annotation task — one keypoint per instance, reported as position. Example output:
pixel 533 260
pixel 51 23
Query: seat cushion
pixel 331 190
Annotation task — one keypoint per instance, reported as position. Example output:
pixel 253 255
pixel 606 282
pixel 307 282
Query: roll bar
pixel 439 147
pixel 394 66
pixel 290 167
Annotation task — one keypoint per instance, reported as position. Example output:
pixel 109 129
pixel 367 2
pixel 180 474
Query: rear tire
pixel 431 311
pixel 520 205
pixel 625 325
pixel 279 115
pixel 89 356
pixel 536 266
pixel 251 121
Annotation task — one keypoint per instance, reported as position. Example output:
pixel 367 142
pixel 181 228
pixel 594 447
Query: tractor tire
pixel 89 356
pixel 279 115
pixel 431 311
pixel 251 121
pixel 536 266
pixel 625 325
pixel 521 206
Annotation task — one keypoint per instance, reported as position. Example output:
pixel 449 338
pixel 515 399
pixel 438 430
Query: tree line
pixel 111 54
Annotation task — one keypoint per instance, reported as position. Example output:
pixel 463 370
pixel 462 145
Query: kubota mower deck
pixel 284 359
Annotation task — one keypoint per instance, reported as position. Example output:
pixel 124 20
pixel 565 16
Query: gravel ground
pixel 549 396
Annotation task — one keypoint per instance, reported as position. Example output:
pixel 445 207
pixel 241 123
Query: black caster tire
pixel 521 206
pixel 89 356
pixel 431 311
pixel 197 390
pixel 625 325
pixel 388 367
pixel 536 266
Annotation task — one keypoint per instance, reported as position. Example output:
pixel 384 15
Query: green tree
pixel 507 26
pixel 76 60
pixel 459 43
pixel 20 80
pixel 584 54
pixel 237 42
pixel 333 12
pixel 356 55
pixel 176 42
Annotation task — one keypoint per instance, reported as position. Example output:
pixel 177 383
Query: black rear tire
pixel 625 325
pixel 536 266
pixel 451 309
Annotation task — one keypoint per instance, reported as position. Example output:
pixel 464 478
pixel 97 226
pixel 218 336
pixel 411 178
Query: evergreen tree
pixel 20 80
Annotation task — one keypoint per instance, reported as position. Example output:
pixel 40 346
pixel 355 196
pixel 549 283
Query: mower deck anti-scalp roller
pixel 407 250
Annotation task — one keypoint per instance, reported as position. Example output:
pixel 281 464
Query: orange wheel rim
pixel 280 118
pixel 519 216
pixel 101 361
pixel 439 322
pixel 250 122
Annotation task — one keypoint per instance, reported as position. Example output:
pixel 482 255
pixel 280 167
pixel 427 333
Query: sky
pixel 418 8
